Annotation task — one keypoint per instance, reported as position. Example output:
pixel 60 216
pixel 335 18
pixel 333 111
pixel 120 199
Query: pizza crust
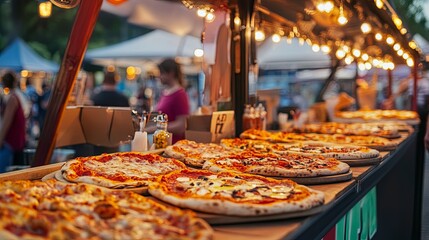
pixel 226 207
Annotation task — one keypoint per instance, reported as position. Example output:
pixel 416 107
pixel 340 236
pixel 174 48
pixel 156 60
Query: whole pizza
pixel 277 165
pixel 54 210
pixel 119 170
pixel 193 153
pixel 376 115
pixel 232 193
pixel 310 149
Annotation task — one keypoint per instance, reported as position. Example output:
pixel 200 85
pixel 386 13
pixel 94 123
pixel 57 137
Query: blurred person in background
pixel 174 101
pixel 108 96
pixel 12 128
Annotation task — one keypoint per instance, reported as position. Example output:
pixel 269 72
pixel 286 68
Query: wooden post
pixel 83 26
pixel 389 83
pixel 240 90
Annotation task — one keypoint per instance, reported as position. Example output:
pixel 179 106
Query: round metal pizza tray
pixel 57 176
pixel 362 161
pixel 323 179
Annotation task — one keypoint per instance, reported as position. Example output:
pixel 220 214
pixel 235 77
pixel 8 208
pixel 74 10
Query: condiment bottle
pixel 161 137
pixel 139 143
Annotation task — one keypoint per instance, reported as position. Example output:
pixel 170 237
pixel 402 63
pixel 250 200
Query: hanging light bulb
pixel 342 20
pixel 325 6
pixel 397 21
pixel 361 66
pixel 237 20
pixel 45 9
pixel 405 56
pixel 315 48
pixel 346 48
pixel 348 60
pixel 202 12
pixel 356 52
pixel 412 45
pixel 397 46
pixel 400 52
pixel 403 31
pixel 378 36
pixel 325 49
pixel 198 52
pixel 410 62
pixel 276 37
pixel 368 66
pixel 365 57
pixel 390 40
pixel 379 3
pixel 365 27
pixel 301 41
pixel 259 35
pixel 340 53
pixel 391 66
pixel 210 17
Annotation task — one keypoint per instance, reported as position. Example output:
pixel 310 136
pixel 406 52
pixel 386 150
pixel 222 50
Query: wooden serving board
pixel 216 219
pixel 363 161
pixel 57 176
pixel 323 179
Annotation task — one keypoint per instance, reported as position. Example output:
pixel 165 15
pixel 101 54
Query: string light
pixel 259 35
pixel 365 27
pixel 210 17
pixel 403 31
pixel 340 53
pixel 276 37
pixel 325 6
pixel 198 52
pixel 378 36
pixel 412 45
pixel 237 20
pixel 356 52
pixel 325 49
pixel 361 66
pixel 342 20
pixel 397 21
pixel 390 40
pixel 348 60
pixel 379 3
pixel 410 62
pixel 202 13
pixel 315 48
pixel 365 57
pixel 400 52
pixel 368 66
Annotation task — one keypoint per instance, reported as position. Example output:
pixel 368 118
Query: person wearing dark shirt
pixel 108 96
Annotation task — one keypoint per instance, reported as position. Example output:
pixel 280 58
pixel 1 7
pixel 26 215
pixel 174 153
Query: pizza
pixel 310 149
pixel 371 115
pixel 375 142
pixel 193 153
pixel 54 210
pixel 119 170
pixel 362 129
pixel 233 193
pixel 277 165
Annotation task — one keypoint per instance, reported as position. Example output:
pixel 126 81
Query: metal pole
pixel 83 27
pixel 389 83
pixel 242 47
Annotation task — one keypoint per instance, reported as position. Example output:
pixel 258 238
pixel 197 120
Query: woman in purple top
pixel 174 101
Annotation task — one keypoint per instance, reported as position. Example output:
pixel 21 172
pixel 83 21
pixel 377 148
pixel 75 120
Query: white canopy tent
pixel 146 50
pixel 173 17
pixel 283 55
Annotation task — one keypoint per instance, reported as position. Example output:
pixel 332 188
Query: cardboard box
pixel 210 128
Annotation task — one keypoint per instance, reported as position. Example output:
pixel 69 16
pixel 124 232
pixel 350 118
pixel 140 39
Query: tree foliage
pixel 412 14
pixel 49 36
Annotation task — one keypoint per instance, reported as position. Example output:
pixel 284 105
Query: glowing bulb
pixel 365 57
pixel 391 66
pixel 276 37
pixel 340 53
pixel 202 13
pixel 210 17
pixel 412 45
pixel 403 31
pixel 410 62
pixel 379 3
pixel 348 60
pixel 329 6
pixel 390 40
pixel 325 49
pixel 368 66
pixel 25 73
pixel 405 56
pixel 259 36
pixel 378 36
pixel 342 20
pixel 45 9
pixel 361 66
pixel 400 52
pixel 131 70
pixel 237 20
pixel 308 41
pixel 397 21
pixel 289 40
pixel 385 66
pixel 198 52
pixel 346 48
pixel 301 41
pixel 397 46
pixel 356 52
pixel 315 48
pixel 365 27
